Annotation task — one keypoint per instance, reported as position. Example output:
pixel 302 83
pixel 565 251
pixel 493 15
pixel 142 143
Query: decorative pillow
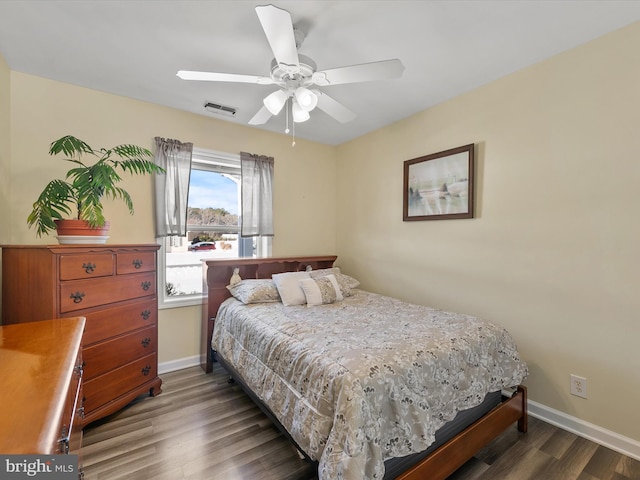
pixel 321 290
pixel 288 285
pixel 255 291
pixel 345 281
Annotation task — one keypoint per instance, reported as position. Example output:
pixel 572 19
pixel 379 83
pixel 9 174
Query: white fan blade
pixel 365 72
pixel 278 27
pixel 334 108
pixel 261 117
pixel 223 77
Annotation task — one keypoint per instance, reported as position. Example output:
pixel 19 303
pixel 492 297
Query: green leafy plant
pixel 87 183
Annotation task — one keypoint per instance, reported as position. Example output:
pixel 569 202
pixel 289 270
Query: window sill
pixel 183 301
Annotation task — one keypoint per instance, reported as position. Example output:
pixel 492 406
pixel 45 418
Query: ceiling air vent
pixel 220 109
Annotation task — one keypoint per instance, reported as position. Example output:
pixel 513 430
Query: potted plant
pixel 85 185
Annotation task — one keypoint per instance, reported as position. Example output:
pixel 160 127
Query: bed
pixel 366 386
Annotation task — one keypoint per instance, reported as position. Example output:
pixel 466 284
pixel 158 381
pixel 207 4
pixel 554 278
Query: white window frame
pixel 218 162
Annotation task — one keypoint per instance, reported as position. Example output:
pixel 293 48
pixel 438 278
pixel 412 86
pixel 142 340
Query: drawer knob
pixel 145 342
pixel 89 267
pixel 145 314
pixel 137 264
pixel 145 371
pixel 146 285
pixel 77 297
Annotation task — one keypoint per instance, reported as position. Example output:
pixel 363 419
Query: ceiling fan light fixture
pixel 275 101
pixel 299 114
pixel 306 99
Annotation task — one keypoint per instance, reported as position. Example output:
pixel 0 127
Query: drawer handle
pixel 137 264
pixel 81 412
pixel 145 314
pixel 63 442
pixel 77 297
pixel 146 285
pixel 145 371
pixel 89 267
pixel 145 342
pixel 63 446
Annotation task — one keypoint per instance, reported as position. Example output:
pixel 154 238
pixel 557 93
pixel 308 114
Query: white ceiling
pixel 134 48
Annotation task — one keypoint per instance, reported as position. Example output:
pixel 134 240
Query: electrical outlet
pixel 578 386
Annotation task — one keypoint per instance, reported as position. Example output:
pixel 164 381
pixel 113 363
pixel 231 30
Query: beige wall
pixel 44 110
pixel 5 114
pixel 554 251
pixel 5 150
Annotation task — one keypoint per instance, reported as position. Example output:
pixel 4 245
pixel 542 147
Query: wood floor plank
pixel 573 460
pixel 517 463
pixel 471 470
pixel 558 443
pixel 629 468
pixel 201 428
pixel 603 464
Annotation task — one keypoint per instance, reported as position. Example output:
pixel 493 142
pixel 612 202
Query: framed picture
pixel 439 186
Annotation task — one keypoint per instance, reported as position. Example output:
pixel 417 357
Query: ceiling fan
pixel 294 74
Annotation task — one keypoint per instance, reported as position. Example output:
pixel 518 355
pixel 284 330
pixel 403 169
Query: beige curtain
pixel 172 188
pixel 256 195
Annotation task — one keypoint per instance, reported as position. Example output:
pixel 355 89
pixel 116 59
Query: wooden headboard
pixel 217 273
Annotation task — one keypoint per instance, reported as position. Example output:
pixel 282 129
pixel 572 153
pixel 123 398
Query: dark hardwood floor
pixel 201 427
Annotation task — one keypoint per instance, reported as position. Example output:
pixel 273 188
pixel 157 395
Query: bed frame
pixel 438 465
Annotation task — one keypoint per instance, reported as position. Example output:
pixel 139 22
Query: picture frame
pixel 440 186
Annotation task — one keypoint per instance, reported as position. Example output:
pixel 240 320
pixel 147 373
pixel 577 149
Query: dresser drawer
pixel 79 294
pixel 88 265
pixel 114 321
pixel 118 351
pixel 105 388
pixel 135 262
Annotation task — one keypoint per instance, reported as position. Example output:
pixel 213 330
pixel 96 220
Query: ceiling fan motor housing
pixel 292 77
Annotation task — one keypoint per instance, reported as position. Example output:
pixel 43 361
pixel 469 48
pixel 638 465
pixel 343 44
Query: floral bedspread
pixel 365 379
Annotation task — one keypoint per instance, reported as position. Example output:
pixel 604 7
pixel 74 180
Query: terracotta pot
pixel 79 231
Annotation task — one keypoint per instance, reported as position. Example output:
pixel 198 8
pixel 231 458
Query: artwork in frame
pixel 439 186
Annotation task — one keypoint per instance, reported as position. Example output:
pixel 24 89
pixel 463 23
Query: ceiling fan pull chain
pixel 293 135
pixel 293 128
pixel 286 130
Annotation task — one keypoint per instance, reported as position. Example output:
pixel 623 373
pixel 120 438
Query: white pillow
pixel 321 291
pixel 288 285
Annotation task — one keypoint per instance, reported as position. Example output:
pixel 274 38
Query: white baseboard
pixel 173 365
pixel 614 441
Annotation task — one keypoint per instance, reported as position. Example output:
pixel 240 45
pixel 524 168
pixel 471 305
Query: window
pixel 213 229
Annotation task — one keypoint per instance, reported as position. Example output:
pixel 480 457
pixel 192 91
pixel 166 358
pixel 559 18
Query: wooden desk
pixel 41 387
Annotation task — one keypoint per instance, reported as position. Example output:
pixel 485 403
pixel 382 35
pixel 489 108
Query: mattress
pixel 366 379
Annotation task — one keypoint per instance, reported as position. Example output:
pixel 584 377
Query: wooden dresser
pixel 41 387
pixel 114 287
